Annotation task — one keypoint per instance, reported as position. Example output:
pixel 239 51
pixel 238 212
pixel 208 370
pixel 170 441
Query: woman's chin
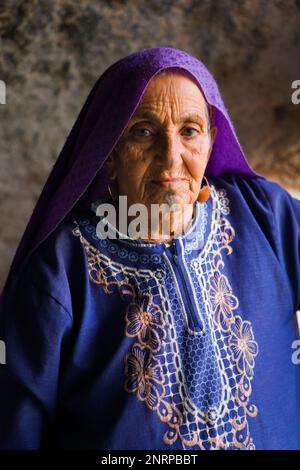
pixel 168 197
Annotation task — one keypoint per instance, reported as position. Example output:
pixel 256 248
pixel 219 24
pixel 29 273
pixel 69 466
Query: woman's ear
pixel 110 166
pixel 213 133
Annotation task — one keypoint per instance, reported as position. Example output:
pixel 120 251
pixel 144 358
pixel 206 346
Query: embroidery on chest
pixel 199 385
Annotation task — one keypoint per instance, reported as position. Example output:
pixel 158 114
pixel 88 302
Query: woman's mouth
pixel 166 183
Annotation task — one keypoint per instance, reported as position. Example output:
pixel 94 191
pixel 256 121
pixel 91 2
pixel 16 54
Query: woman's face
pixel 163 152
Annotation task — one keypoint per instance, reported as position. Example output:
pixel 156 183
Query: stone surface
pixel 52 52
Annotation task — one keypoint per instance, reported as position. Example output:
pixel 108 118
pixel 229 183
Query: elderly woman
pixel 180 337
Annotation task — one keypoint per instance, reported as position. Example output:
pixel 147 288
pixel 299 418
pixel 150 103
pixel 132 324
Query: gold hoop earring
pixel 204 192
pixel 109 190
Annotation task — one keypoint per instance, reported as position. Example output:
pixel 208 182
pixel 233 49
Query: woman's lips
pixel 169 182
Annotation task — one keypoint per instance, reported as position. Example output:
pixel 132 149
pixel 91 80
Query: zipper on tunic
pixel 195 323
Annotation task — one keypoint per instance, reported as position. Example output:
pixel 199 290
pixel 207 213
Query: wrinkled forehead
pixel 173 83
pixel 177 71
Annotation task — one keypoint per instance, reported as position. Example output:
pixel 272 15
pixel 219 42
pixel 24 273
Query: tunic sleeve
pixel 35 330
pixel 286 227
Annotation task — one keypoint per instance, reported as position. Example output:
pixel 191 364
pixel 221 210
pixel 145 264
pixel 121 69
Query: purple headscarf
pixel 76 178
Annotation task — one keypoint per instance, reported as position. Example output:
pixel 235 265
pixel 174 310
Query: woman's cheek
pixel 194 165
pixel 125 158
pixel 196 160
pixel 133 167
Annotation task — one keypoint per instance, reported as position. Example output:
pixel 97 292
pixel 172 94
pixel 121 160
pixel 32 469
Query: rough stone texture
pixel 52 52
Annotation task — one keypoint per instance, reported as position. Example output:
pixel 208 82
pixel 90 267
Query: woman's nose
pixel 170 150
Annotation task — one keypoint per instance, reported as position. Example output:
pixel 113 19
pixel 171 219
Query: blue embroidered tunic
pixel 126 344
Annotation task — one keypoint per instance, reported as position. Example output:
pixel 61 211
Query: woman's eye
pixel 142 132
pixel 191 131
